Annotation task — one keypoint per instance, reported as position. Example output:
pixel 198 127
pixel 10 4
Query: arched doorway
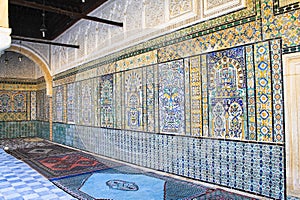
pixel 292 122
pixel 46 72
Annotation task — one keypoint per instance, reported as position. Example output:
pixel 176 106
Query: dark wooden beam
pixel 26 39
pixel 63 12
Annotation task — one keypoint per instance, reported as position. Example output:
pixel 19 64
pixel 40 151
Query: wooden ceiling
pixel 25 16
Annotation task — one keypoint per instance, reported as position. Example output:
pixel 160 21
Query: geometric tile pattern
pixel 136 61
pixel 230 37
pixel 205 112
pixel 284 25
pixel 70 103
pixel 19 181
pixel 250 94
pixel 119 99
pixel 42 107
pixel 282 6
pixel 18 129
pixel 42 129
pixel 151 100
pixel 252 167
pixel 277 91
pixel 196 94
pixel 263 92
pixel 13 105
pixel 186 97
pixel 33 105
pixel 58 104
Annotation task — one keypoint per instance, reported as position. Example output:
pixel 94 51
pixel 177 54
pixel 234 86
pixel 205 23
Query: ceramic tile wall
pixel 252 167
pixel 18 129
pixel 42 129
pixel 18 108
pixel 229 92
pixel 203 102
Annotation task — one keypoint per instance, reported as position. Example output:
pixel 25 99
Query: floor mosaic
pixel 20 182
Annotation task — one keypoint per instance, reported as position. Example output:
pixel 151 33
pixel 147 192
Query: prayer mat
pixel 219 194
pixel 97 185
pixel 21 143
pixel 40 151
pixel 67 164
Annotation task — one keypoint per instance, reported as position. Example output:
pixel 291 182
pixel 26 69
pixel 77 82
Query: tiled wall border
pixel 256 167
pixel 154 44
pixel 18 129
pixel 288 8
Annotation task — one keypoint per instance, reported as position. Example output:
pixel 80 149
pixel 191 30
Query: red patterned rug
pixel 40 151
pixel 55 166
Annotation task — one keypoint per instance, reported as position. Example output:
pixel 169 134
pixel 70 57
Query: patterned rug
pixel 21 143
pixel 94 185
pixel 55 166
pixel 39 151
pixel 219 194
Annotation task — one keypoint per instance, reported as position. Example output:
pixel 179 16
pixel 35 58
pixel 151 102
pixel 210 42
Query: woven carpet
pixel 22 143
pixel 93 186
pixel 219 194
pixel 39 151
pixel 54 166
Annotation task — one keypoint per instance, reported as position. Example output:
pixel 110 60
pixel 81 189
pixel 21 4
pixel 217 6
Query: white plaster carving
pixel 133 16
pixel 214 8
pixel 180 7
pixel 142 20
pixel 41 49
pixel 11 67
pixel 154 13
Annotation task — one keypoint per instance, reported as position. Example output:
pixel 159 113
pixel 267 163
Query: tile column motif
pixel 50 118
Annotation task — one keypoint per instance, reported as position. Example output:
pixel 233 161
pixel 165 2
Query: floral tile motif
pixel 250 32
pixel 285 25
pixel 171 97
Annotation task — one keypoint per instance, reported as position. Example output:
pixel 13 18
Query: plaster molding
pixel 39 61
pixel 5 39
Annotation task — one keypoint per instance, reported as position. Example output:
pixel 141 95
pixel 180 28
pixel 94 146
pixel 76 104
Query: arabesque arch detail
pixel 38 60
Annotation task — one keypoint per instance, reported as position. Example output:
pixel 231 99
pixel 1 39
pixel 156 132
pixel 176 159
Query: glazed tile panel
pixel 227 94
pixel 133 91
pixel 232 94
pixel 58 104
pixel 282 22
pixel 18 129
pixel 42 105
pixel 196 96
pixel 14 105
pixel 277 93
pixel 171 97
pixel 106 101
pixel 213 117
pixel 252 167
pixel 238 35
pixel 263 92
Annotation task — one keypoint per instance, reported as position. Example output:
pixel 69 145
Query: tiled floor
pixel 18 181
